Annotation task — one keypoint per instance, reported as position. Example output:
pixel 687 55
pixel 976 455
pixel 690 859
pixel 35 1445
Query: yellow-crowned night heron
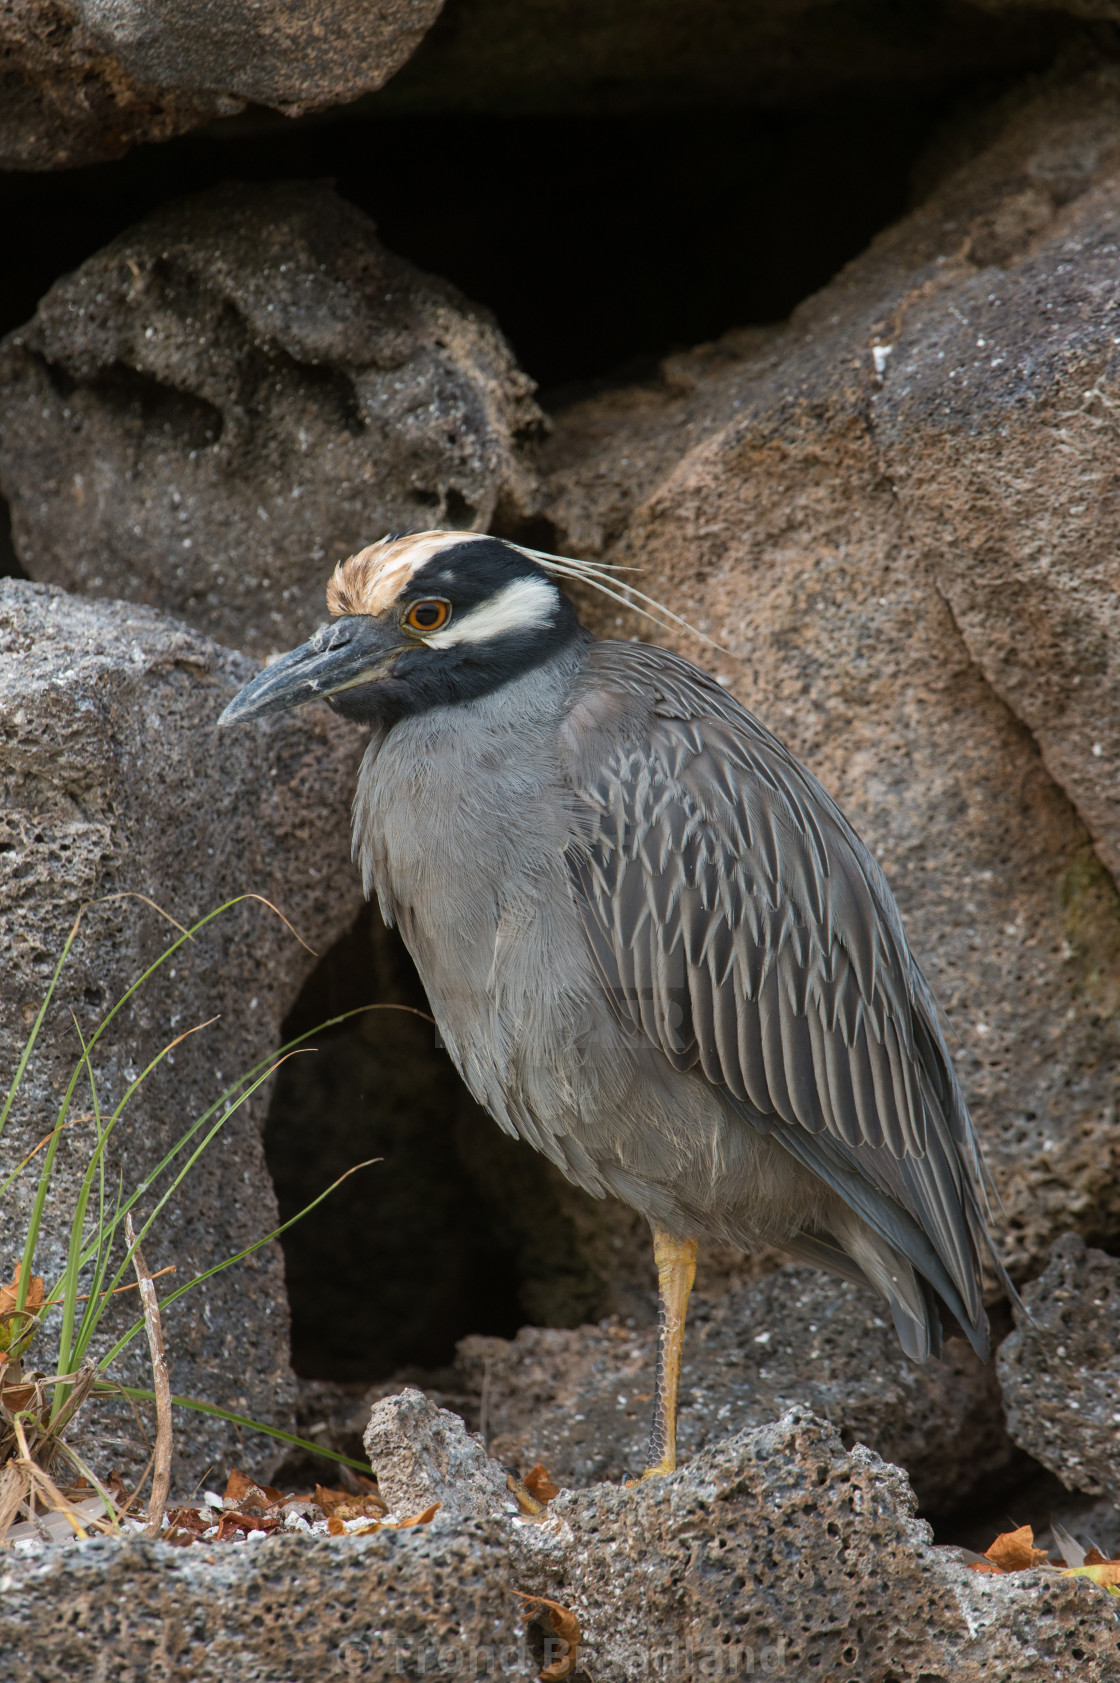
pixel 653 945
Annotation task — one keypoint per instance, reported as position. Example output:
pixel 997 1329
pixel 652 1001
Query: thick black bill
pixel 349 651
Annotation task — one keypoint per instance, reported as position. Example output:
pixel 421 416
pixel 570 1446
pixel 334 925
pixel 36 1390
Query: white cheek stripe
pixel 520 606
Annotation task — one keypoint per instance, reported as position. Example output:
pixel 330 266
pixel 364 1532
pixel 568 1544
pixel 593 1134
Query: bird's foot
pixel 660 1469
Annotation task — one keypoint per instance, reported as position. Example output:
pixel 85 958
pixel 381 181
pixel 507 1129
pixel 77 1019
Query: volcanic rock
pixel 85 79
pixel 1059 1371
pixel 777 1554
pixel 122 806
pixel 238 393
pixel 499 55
pixel 424 1455
pixel 892 518
pixel 581 1400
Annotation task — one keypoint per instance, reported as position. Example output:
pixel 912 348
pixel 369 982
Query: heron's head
pixel 418 621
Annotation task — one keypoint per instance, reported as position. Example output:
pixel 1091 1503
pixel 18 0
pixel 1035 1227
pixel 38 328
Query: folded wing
pixel 737 920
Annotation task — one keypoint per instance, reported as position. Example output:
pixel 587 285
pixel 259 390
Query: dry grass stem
pixel 161 1384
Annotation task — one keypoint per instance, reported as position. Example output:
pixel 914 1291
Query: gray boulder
pixel 238 393
pixel 1059 1371
pixel 581 1400
pixel 422 1455
pixel 116 791
pixel 86 79
pixel 888 515
pixel 776 1554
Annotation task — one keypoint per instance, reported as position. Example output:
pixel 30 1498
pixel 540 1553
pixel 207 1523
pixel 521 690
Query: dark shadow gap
pixel 595 240
pixel 10 567
pixel 455 1230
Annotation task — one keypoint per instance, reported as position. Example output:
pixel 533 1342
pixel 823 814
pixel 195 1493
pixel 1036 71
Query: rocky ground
pixel 893 512
pixel 776 1553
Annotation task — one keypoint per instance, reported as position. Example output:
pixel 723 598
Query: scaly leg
pixel 676 1270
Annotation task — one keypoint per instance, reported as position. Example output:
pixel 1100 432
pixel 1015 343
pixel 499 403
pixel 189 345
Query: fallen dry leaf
pixel 229 1524
pixel 338 1528
pixel 16 1325
pixel 192 1520
pixel 246 1494
pixel 566 1634
pixel 538 1483
pixel 343 1504
pixel 336 1523
pixel 425 1518
pixel 1103 1572
pixel 1012 1551
pixel 523 1496
pixel 16 1395
pixel 10 1293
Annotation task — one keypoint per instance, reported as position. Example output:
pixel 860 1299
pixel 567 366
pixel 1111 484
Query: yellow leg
pixel 676 1270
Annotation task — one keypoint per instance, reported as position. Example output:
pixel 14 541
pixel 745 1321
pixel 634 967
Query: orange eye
pixel 429 615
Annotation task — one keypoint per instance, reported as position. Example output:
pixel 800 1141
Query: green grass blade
pixel 227 1096
pixel 184 935
pixel 34 1221
pixel 239 1256
pixel 69 1283
pixel 33 1036
pixel 36 1217
pixel 200 1407
pixel 116 1116
pixel 85 1336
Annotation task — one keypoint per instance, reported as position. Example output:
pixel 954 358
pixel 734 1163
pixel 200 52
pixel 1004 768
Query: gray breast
pixel 466 826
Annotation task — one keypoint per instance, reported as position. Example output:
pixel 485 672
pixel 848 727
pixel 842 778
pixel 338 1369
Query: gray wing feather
pixel 738 922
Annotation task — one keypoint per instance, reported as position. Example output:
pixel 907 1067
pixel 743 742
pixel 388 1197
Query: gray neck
pixel 440 792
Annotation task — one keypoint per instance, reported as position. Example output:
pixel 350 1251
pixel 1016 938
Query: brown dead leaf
pixel 236 1485
pixel 338 1528
pixel 17 1325
pixel 248 1496
pixel 1106 1573
pixel 564 1642
pixel 1012 1551
pixel 16 1396
pixel 191 1520
pixel 342 1504
pixel 10 1293
pixel 524 1497
pixel 538 1483
pixel 329 1499
pixel 336 1522
pixel 230 1523
pixel 425 1518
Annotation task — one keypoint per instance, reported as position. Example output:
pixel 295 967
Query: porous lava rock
pixel 82 80
pixel 639 55
pixel 423 1455
pixel 1059 1371
pixel 117 796
pixel 85 79
pixel 803 1560
pixel 581 1400
pixel 241 391
pixel 893 518
pixel 778 1553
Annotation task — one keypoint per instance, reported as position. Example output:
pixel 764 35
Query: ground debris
pixel 1015 1551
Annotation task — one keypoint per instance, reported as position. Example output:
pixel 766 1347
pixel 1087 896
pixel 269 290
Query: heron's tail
pixel 854 1252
